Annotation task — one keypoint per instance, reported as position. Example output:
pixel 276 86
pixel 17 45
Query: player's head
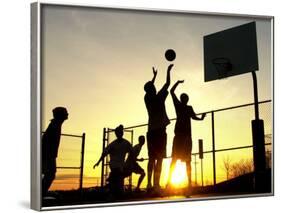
pixel 60 113
pixel 184 98
pixel 141 139
pixel 119 131
pixel 150 88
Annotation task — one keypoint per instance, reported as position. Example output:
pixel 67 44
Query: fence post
pixel 200 143
pixel 213 148
pixel 130 178
pixel 195 165
pixel 82 161
pixel 102 163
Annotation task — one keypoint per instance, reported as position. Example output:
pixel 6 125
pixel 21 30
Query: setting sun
pixel 179 177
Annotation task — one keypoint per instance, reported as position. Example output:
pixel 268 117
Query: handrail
pixel 217 110
pixel 70 135
pixel 220 150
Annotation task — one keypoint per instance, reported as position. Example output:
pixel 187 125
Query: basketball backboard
pixel 230 52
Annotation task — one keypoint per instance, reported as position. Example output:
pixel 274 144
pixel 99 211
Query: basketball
pixel 170 55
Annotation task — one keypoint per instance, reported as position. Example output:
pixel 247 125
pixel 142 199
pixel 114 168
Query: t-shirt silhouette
pixel 184 114
pixel 155 105
pixel 51 140
pixel 134 154
pixel 117 151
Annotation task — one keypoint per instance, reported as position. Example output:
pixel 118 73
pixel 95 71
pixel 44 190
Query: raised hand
pixel 203 116
pixel 154 74
pixel 170 67
pixel 154 71
pixel 180 81
pixel 97 164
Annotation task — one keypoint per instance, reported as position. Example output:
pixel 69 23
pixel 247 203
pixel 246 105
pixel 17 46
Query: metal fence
pixel 70 163
pixel 108 137
pixel 226 135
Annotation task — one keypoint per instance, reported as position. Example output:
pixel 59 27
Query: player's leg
pixel 161 142
pixel 120 181
pixel 157 172
pixel 172 167
pixel 138 170
pixel 188 172
pixel 151 158
pixel 49 175
pixel 142 175
pixel 46 183
pixel 45 172
pixel 175 149
pixel 150 168
pixel 115 182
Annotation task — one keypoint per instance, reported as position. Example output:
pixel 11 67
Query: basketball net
pixel 223 67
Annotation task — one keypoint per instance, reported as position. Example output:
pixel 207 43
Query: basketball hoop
pixel 223 66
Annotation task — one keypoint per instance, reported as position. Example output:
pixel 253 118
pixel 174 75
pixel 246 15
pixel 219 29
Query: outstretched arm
pixel 175 86
pixel 101 158
pixel 172 91
pixel 154 74
pixel 168 78
pixel 194 117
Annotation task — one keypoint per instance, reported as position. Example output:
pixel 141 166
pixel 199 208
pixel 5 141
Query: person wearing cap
pixel 50 146
pixel 117 151
pixel 157 122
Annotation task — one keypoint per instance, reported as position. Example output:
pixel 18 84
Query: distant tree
pixel 244 166
pixel 268 150
pixel 268 158
pixel 227 166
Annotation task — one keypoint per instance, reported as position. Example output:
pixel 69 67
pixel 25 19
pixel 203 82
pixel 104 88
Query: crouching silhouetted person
pixel 117 151
pixel 50 146
pixel 131 164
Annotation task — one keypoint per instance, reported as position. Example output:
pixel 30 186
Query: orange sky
pixel 95 63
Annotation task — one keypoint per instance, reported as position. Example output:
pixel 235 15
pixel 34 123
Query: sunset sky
pixel 96 61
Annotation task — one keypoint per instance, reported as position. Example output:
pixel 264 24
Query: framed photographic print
pixel 133 106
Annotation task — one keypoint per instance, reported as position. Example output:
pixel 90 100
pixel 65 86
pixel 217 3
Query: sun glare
pixel 179 177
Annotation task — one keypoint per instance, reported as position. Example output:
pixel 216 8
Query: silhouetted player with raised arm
pixel 117 151
pixel 50 146
pixel 182 144
pixel 157 122
pixel 131 164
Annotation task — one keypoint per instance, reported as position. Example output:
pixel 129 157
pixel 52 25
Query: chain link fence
pixel 227 142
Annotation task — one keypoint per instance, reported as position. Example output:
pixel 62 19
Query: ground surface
pixel 240 186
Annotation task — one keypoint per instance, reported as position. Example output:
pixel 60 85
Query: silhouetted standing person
pixel 157 122
pixel 117 151
pixel 131 164
pixel 182 143
pixel 50 146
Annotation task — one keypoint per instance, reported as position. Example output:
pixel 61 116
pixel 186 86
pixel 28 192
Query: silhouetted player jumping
pixel 182 143
pixel 117 151
pixel 131 164
pixel 50 146
pixel 157 122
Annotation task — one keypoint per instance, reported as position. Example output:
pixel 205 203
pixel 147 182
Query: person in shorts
pixel 157 122
pixel 182 143
pixel 131 164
